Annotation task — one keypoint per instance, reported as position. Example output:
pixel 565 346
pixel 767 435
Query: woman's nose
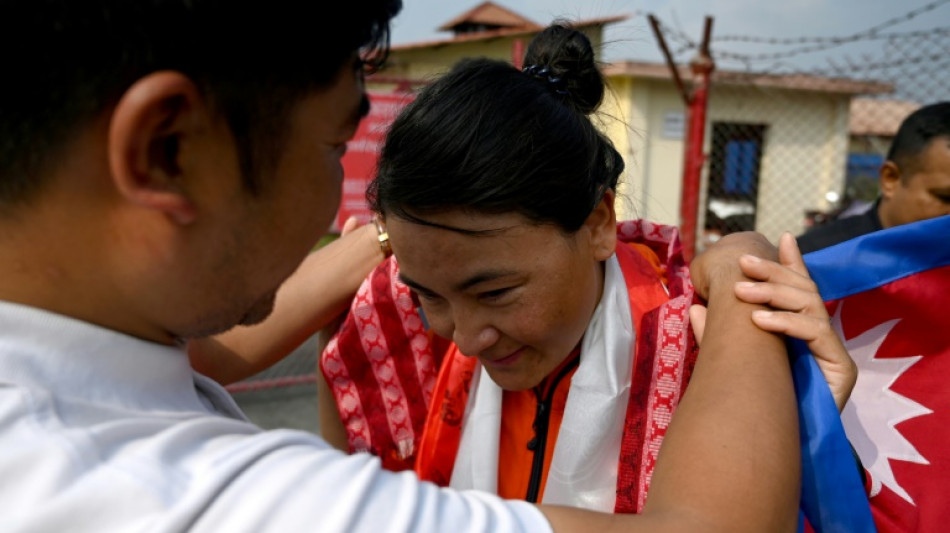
pixel 473 336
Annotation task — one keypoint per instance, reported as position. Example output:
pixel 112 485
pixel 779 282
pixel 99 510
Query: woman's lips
pixel 508 359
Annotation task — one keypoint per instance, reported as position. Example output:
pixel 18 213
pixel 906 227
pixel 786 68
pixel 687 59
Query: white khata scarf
pixel 583 471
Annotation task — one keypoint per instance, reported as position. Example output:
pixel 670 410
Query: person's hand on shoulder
pixel 720 262
pixel 797 311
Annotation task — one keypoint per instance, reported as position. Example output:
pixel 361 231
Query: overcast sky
pixel 633 39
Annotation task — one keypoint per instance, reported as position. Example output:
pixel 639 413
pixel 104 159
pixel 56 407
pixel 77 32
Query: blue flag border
pixel 833 498
pixel 879 258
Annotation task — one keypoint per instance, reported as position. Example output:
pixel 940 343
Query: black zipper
pixel 542 417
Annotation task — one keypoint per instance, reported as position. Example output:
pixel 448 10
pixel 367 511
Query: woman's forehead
pixel 467 222
pixel 437 250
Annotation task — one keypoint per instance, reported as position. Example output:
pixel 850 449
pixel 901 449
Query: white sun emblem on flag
pixel 873 411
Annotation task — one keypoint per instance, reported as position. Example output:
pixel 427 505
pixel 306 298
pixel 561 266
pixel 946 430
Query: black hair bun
pixel 567 58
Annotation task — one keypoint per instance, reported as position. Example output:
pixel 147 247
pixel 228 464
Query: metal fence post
pixel 702 67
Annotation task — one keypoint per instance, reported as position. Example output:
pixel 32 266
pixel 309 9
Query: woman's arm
pixel 312 297
pixel 730 460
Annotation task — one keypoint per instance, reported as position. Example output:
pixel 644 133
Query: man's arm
pixel 730 460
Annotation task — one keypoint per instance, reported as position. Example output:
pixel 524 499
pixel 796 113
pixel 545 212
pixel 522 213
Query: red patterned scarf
pixel 384 399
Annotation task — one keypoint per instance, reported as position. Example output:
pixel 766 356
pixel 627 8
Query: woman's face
pixel 513 293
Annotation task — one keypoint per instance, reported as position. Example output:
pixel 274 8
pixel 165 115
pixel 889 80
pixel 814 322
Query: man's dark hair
pixel 66 61
pixel 916 133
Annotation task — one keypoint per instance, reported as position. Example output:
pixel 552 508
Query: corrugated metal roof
pixel 878 117
pixel 503 32
pixel 489 14
pixel 803 82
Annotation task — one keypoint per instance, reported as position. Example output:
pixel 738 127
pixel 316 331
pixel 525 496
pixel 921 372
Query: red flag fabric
pixel 886 293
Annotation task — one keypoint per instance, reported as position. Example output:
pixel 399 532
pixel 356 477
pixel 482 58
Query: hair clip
pixel 543 73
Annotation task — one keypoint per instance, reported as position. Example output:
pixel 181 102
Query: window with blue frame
pixel 741 169
pixel 734 164
pixel 864 165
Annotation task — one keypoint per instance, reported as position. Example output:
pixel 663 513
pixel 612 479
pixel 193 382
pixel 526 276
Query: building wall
pixel 654 159
pixel 623 124
pixel 805 149
pixel 429 63
pixel 804 152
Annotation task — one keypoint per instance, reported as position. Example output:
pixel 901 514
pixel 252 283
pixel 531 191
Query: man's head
pixel 165 164
pixel 66 61
pixel 915 179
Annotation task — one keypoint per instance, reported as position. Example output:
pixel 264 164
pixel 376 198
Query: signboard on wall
pixel 674 124
pixel 362 153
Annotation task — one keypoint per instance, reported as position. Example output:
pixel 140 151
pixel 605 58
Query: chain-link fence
pixel 790 146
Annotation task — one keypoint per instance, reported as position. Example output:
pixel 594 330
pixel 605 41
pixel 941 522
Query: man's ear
pixel 602 224
pixel 148 126
pixel 889 178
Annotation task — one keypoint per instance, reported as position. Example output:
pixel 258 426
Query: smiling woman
pixel 554 333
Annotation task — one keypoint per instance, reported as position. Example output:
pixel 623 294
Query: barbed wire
pixel 677 35
pixel 815 44
pixel 861 35
pixel 719 54
pixel 832 42
pixel 914 62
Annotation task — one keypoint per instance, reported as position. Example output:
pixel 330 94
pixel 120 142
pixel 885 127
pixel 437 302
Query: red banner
pixel 362 153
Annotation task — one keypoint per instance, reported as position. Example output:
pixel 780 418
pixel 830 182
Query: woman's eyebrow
pixel 468 283
pixel 482 277
pixel 414 285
